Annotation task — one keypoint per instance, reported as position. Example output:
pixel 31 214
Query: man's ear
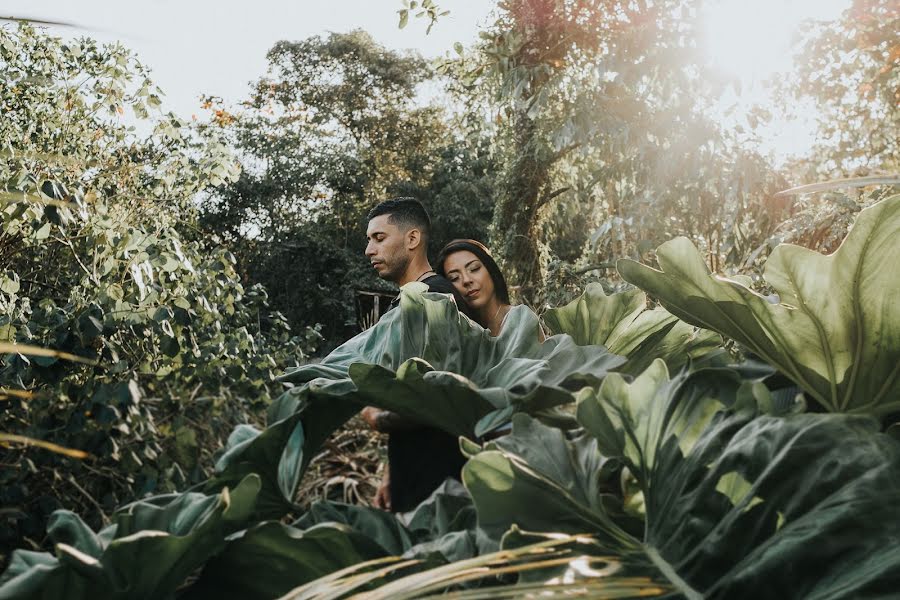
pixel 413 239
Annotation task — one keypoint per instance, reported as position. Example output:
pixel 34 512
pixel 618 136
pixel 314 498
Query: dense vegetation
pixel 158 279
pixel 103 260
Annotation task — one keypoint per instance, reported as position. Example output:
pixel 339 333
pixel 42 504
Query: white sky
pixel 752 40
pixel 217 47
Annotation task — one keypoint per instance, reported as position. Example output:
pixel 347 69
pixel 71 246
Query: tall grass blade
pixel 10 438
pixel 853 182
pixel 7 348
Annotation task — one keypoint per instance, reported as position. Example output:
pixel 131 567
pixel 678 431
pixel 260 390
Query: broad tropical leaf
pixel 148 552
pixel 836 328
pixel 564 483
pixel 735 499
pixel 425 361
pixel 271 558
pixel 439 530
pixel 433 523
pixel 623 325
pixel 740 503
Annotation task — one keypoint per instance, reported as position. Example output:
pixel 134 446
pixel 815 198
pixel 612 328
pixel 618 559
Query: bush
pixel 99 262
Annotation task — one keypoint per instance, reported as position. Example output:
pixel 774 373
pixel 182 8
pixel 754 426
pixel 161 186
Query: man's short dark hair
pixel 406 213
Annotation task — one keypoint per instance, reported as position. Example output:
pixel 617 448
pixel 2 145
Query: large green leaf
pixel 425 361
pixel 445 510
pixel 530 379
pixel 629 420
pixel 148 552
pixel 740 502
pixel 539 480
pixel 271 558
pixel 332 537
pixel 465 374
pixel 836 329
pixel 622 323
pixel 443 524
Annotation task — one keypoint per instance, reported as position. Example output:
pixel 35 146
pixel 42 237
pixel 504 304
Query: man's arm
pixel 382 497
pixel 386 421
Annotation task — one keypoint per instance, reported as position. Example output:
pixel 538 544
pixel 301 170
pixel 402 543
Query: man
pixel 420 458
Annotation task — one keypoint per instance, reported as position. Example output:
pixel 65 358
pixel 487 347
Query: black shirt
pixel 436 283
pixel 421 458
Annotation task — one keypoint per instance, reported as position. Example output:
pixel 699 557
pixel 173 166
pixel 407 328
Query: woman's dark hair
pixel 484 255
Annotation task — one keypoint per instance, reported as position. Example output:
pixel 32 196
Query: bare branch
pixel 546 199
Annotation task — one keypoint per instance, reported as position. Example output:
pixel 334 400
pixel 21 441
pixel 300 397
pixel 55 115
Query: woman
pixel 468 265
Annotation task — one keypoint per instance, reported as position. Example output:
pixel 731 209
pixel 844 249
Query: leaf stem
pixel 669 572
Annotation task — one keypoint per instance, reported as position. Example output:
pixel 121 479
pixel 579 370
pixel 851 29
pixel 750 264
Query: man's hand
pixel 386 421
pixel 382 498
pixel 370 416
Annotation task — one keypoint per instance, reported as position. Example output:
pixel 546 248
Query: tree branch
pixel 546 199
pixel 563 151
pixel 587 269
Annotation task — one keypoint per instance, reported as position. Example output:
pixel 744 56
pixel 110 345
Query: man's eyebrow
pixel 374 233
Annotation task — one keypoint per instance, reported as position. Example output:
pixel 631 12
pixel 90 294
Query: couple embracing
pixel 420 458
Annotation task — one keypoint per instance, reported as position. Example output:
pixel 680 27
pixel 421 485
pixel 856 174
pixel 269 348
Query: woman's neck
pixel 491 315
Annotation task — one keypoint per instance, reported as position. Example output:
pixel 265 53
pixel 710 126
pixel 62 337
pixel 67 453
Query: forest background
pixel 188 263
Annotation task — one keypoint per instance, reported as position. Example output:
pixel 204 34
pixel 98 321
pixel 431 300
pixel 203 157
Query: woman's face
pixel 470 277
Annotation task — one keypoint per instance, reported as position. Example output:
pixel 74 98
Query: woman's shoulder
pixel 523 314
pixel 521 309
pixel 437 283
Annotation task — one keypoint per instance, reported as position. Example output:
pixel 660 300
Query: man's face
pixel 386 250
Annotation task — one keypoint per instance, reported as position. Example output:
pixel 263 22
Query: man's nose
pixel 370 249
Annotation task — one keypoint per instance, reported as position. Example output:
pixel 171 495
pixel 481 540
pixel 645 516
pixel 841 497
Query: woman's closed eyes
pixel 454 276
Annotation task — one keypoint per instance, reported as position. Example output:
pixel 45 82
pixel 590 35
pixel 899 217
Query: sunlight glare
pixel 743 40
pixel 749 43
pixel 752 40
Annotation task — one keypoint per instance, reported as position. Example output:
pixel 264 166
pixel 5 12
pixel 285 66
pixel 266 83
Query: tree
pixel 333 128
pixel 101 260
pixel 601 107
pixel 850 69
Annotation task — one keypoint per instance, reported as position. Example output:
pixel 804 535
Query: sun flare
pixel 753 40
pixel 749 43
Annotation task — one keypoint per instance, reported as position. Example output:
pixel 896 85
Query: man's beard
pixel 396 267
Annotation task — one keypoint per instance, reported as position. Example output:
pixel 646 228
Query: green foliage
pixel 149 549
pixel 566 484
pixel 849 69
pixel 287 557
pixel 333 128
pixel 616 480
pixel 696 447
pixel 701 484
pixel 835 329
pixel 739 500
pixel 622 323
pixel 421 9
pixel 426 349
pixel 101 260
pixel 602 112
